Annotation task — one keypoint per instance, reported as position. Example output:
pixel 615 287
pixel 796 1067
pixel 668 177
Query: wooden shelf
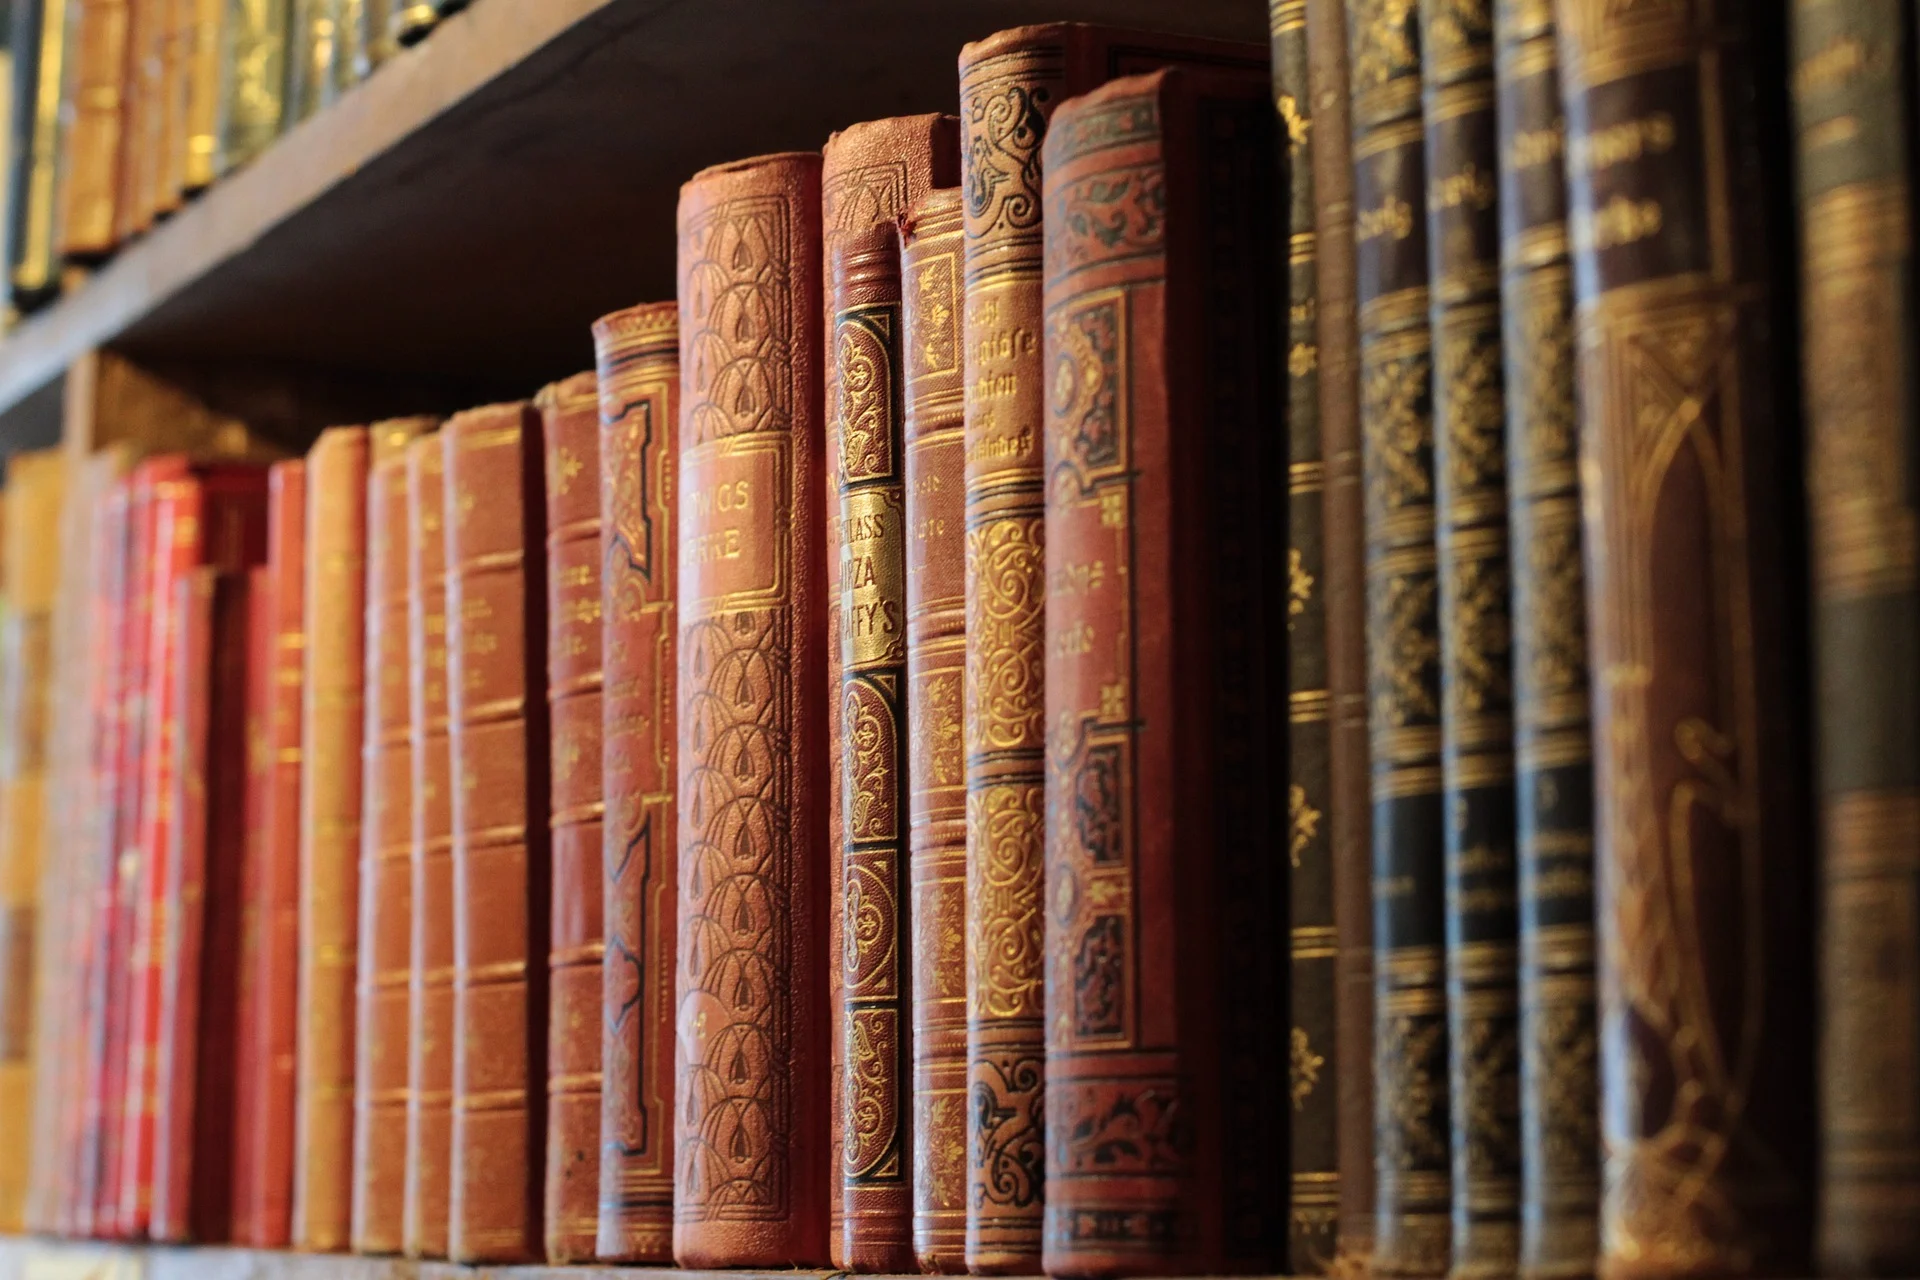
pixel 467 212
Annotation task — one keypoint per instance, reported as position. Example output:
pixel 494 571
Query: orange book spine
pixel 253 996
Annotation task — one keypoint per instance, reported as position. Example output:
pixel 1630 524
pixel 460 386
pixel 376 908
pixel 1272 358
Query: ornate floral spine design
pixel 1553 755
pixel 1691 501
pixel 1313 1207
pixel 638 363
pixel 1853 86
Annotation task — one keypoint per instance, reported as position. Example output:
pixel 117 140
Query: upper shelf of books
pixel 467 211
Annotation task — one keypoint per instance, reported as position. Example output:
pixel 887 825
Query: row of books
pixel 121 111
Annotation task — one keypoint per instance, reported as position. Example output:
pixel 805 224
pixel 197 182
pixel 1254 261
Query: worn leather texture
pixel 1163 871
pixel 932 431
pixel 637 359
pixel 751 1124
pixel 570 431
pixel 496 674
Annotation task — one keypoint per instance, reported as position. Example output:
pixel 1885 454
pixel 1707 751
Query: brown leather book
pixel 95 139
pixel 870 174
pixel 252 997
pixel 496 671
pixel 750 1127
pixel 331 729
pixel 570 431
pixel 1692 495
pixel 1162 879
pixel 930 279
pixel 1349 822
pixel 430 942
pixel 263 1199
pixel 382 1026
pixel 637 355
pixel 142 119
pixel 1010 85
pixel 199 133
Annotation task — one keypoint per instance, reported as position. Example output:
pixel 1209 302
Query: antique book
pixel 93 139
pixel 1160 542
pixel 1853 100
pixel 870 174
pixel 411 20
pixel 1348 815
pixel 1677 199
pixel 1313 1078
pixel 1411 1143
pixel 39 70
pixel 1010 84
pixel 383 971
pixel 331 728
pixel 930 293
pixel 377 40
pixel 1559 1113
pixel 263 1199
pixel 252 996
pixel 637 360
pixel 196 153
pixel 178 20
pixel 570 434
pixel 751 1067
pixel 1476 662
pixel 498 764
pixel 144 129
pixel 30 567
pixel 253 80
pixel 349 30
pixel 310 57
pixel 430 942
pixel 193 1157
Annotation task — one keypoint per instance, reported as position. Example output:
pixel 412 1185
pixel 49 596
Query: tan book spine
pixel 95 137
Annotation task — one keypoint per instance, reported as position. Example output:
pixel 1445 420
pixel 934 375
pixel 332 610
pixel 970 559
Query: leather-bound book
pixel 637 359
pixel 331 728
pixel 930 294
pixel 570 433
pixel 252 996
pixel 144 127
pixel 1476 660
pixel 1010 85
pixel 173 89
pixel 93 140
pixel 411 20
pixel 263 1199
pixel 29 575
pixel 1692 498
pixel 382 1025
pixel 349 31
pixel 1553 746
pixel 193 1159
pixel 870 174
pixel 252 81
pixel 1348 816
pixel 1853 98
pixel 496 673
pixel 376 41
pixel 310 55
pixel 430 979
pixel 1163 966
pixel 1411 1135
pixel 1314 1082
pixel 196 154
pixel 40 54
pixel 751 1068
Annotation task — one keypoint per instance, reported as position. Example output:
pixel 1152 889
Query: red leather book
pixel 752 1065
pixel 430 974
pixel 252 997
pixel 570 429
pixel 263 1198
pixel 935 369
pixel 386 857
pixel 496 671
pixel 195 1118
pixel 1164 874
pixel 637 354
pixel 870 174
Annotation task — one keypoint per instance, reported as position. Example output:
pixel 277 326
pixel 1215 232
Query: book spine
pixel 1553 753
pixel 310 39
pixel 90 156
pixel 930 270
pixel 570 427
pixel 40 54
pixel 411 20
pixel 199 152
pixel 1314 1082
pixel 377 40
pixel 349 18
pixel 382 1026
pixel 145 118
pixel 1853 98
pixel 637 359
pixel 1411 1126
pixel 331 725
pixel 254 996
pixel 1691 495
pixel 751 1183
pixel 253 80
pixel 496 667
pixel 176 94
pixel 430 942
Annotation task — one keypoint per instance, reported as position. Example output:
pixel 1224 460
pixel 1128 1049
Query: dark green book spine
pixel 1853 96
pixel 39 45
pixel 1411 1137
pixel 253 79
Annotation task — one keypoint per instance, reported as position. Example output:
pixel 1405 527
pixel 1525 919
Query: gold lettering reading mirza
pixel 1392 218
pixel 1623 143
pixel 1620 221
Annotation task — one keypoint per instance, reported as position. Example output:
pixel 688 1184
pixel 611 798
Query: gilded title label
pixel 735 496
